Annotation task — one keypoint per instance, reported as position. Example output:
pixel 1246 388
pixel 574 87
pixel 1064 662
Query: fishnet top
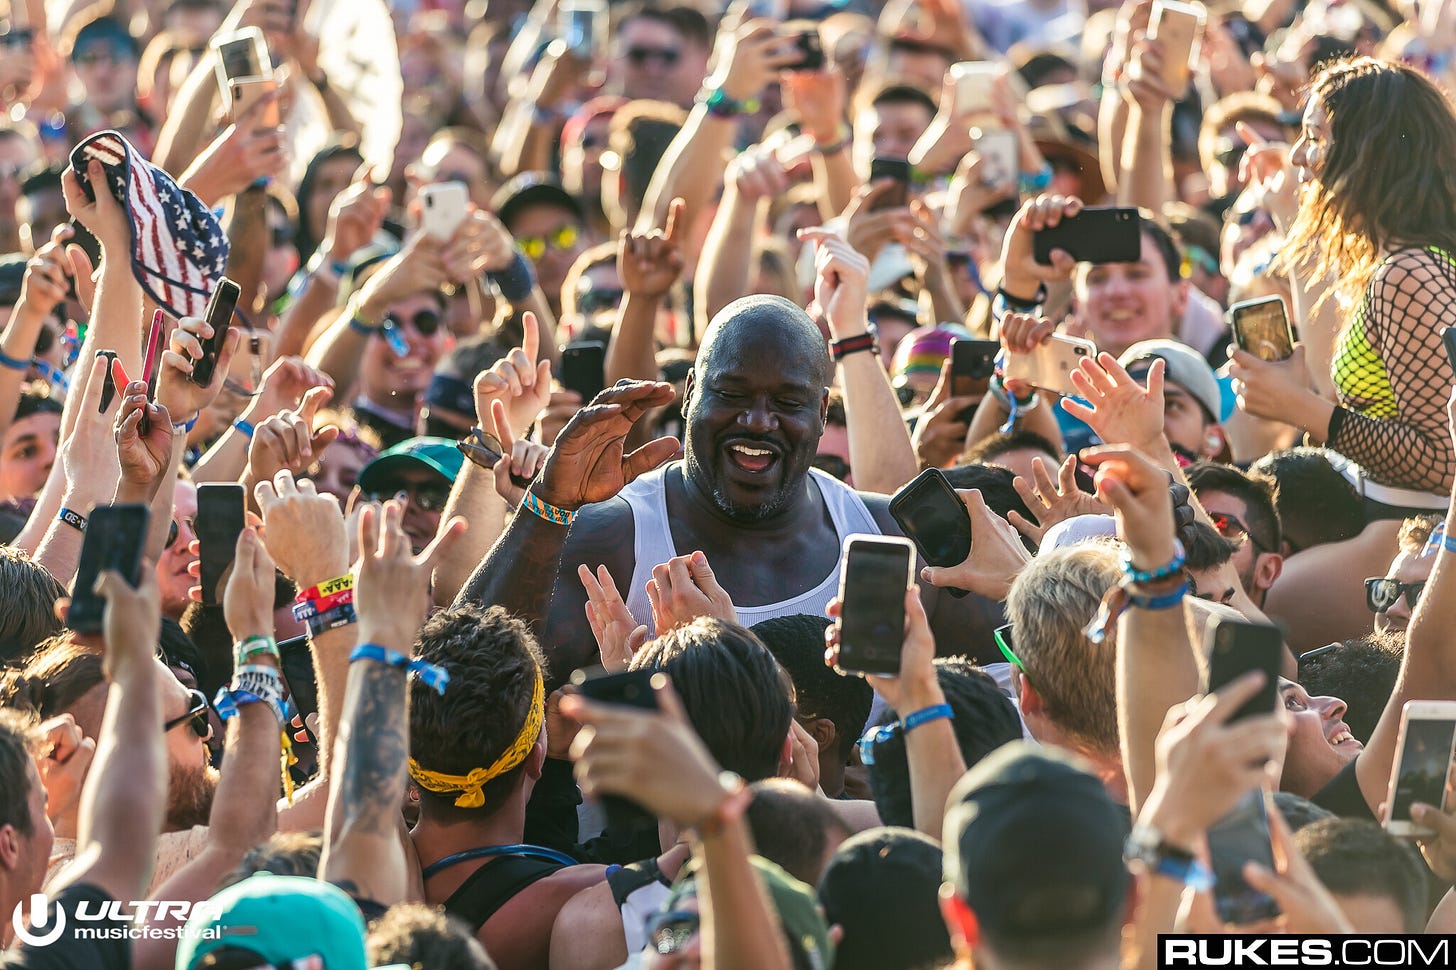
pixel 1391 372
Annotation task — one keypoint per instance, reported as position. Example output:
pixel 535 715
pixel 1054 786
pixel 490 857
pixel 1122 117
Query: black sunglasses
pixel 425 322
pixel 196 716
pixel 639 56
pixel 426 496
pixel 1381 593
pixel 1232 527
pixel 596 300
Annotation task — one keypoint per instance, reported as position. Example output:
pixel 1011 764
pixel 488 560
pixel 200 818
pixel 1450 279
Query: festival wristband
pixel 73 519
pixel 924 716
pixel 186 426
pixel 14 363
pixel 311 609
pixel 325 589
pixel 245 428
pixel 332 620
pixel 435 677
pixel 546 510
pixel 250 647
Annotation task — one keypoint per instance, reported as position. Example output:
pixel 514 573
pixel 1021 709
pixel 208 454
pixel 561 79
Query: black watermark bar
pixel 1198 951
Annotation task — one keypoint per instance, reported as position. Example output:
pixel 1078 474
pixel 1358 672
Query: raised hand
pixel 133 620
pixel 46 282
pixel 88 454
pixel 650 262
pixel 288 441
pixel 1276 389
pixel 304 530
pixel 242 154
pixel 1138 490
pixel 587 464
pixel 841 280
pixel 284 384
pixel 748 58
pixel 618 634
pixel 1118 408
pixel 64 759
pixel 480 245
pixel 683 589
pixel 520 380
pixel 183 399
pixel 144 458
pixel 103 216
pixel 867 227
pixel 355 215
pixel 1022 273
pixel 247 601
pixel 997 554
pixel 940 433
pixel 1050 501
pixel 392 592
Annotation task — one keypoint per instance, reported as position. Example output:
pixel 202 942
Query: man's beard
pixel 190 790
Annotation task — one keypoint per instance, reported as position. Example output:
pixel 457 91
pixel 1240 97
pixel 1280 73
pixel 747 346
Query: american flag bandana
pixel 178 251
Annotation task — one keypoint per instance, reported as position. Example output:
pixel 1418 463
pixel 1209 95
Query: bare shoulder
pixel 879 509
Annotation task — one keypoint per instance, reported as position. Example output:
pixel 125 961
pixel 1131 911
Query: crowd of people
pixel 492 549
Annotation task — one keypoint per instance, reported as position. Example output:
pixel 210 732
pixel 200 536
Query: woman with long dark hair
pixel 1376 165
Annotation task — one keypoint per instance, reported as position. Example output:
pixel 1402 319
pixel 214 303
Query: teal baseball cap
pixel 439 455
pixel 282 919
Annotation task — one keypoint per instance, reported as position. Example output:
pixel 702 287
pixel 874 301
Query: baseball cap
pixel 1033 844
pixel 804 927
pixel 531 188
pixel 882 887
pixel 282 919
pixel 438 455
pixel 923 350
pixel 1185 367
pixel 1077 530
pixel 12 274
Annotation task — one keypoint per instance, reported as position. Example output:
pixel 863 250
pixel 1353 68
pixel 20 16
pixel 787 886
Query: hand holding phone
pixel 1234 648
pixel 220 520
pixel 1261 327
pixel 1423 764
pixel 874 575
pixel 1050 363
pixel 219 316
pixel 115 537
pixel 632 688
pixel 897 172
pixel 152 369
pixel 1099 234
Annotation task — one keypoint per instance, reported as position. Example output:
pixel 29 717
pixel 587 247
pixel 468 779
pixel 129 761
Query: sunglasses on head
pixel 1232 527
pixel 196 716
pixel 534 247
pixel 639 56
pixel 1381 593
pixel 670 932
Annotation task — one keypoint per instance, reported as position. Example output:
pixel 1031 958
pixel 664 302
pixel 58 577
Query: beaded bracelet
pixel 1144 577
pixel 546 510
pixel 434 676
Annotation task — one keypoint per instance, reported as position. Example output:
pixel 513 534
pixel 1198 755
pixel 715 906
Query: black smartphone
pixel 972 364
pixel 219 522
pixel 811 51
pixel 115 538
pixel 219 316
pixel 1236 647
pixel 1262 328
pixel 897 170
pixel 1448 337
pixel 296 661
pixel 874 575
pixel 1097 235
pixel 1239 837
pixel 933 516
pixel 108 381
pixel 633 688
pixel 584 368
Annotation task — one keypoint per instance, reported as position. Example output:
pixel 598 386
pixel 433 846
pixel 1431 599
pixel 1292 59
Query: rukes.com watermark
pixel 110 920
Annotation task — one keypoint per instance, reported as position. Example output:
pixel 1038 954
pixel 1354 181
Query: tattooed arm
pixel 365 844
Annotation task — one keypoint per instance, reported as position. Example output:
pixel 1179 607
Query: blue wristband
pixel 435 677
pixel 1164 602
pixel 187 426
pixel 925 715
pixel 516 281
pixel 246 428
pixel 14 363
pixel 1143 577
pixel 1191 872
pixel 1032 182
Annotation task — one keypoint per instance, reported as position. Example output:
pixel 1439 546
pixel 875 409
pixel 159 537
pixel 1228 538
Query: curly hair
pixel 1384 181
pixel 493 662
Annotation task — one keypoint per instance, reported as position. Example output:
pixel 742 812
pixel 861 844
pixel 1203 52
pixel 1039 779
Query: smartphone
pixel 584 368
pixel 152 368
pixel 219 522
pixel 1448 337
pixel 811 51
pixel 768 10
pixel 219 316
pixel 972 364
pixel 1239 837
pixel 1423 766
pixel 874 574
pixel 897 170
pixel 248 91
pixel 1050 365
pixel 1000 153
pixel 1262 328
pixel 296 661
pixel 632 688
pixel 108 381
pixel 443 208
pixel 1107 234
pixel 1235 647
pixel 932 515
pixel 242 53
pixel 974 83
pixel 585 27
pixel 1178 26
pixel 115 537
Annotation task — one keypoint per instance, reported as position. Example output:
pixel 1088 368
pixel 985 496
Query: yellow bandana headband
pixel 470 785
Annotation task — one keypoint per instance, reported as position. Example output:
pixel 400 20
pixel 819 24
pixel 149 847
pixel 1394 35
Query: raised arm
pixel 725 269
pixel 43 287
pixel 649 261
pixel 1147 159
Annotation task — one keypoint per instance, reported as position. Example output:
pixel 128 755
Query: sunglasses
pixel 534 247
pixel 173 532
pixel 425 496
pixel 1002 636
pixel 282 236
pixel 875 736
pixel 1231 527
pixel 1381 593
pixel 481 447
pixel 597 300
pixel 196 716
pixel 425 322
pixel 639 56
pixel 1229 156
pixel 670 932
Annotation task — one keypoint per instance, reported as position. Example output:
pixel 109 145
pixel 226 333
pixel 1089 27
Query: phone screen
pixel 584 368
pixel 1425 760
pixel 219 316
pixel 1241 836
pixel 632 688
pixel 933 516
pixel 1263 329
pixel 896 170
pixel 872 612
pixel 972 364
pixel 115 536
pixel 108 381
pixel 1239 647
pixel 296 662
pixel 219 522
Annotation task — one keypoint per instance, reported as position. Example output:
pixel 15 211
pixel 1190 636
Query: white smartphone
pixel 246 92
pixel 1050 365
pixel 974 83
pixel 442 208
pixel 243 53
pixel 1178 26
pixel 999 150
pixel 584 26
pixel 1423 763
pixel 874 574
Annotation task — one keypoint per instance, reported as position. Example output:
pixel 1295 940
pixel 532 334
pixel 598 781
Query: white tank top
pixel 652 545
